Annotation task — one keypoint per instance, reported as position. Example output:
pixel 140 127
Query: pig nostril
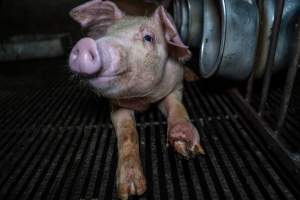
pixel 74 54
pixel 92 55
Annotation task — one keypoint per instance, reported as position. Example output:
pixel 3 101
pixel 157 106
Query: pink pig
pixel 133 62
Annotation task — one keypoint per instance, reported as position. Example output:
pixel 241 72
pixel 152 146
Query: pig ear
pixel 102 13
pixel 176 47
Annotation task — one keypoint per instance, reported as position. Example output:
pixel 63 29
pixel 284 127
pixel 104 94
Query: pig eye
pixel 148 38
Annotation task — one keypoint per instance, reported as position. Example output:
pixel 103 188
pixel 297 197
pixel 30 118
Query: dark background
pixel 51 17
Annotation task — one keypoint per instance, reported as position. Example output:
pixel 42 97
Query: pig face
pixel 124 56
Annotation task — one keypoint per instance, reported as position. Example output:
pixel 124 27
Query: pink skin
pixel 129 66
pixel 92 59
pixel 88 58
pixel 84 58
pixel 132 61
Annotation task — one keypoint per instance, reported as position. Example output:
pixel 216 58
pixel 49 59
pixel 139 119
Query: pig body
pixel 133 62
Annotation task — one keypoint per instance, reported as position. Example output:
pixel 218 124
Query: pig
pixel 134 62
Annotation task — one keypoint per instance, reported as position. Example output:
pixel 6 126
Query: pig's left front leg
pixel 182 134
pixel 130 177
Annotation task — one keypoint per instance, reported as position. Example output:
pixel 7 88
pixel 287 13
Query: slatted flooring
pixel 57 142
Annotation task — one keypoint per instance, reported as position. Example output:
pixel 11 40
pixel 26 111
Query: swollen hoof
pixel 184 137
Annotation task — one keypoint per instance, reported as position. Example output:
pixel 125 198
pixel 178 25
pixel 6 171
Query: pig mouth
pixel 100 75
pixel 106 78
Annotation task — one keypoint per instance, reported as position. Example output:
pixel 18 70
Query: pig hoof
pixel 184 137
pixel 130 179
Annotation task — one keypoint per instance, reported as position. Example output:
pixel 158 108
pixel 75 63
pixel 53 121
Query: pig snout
pixel 84 58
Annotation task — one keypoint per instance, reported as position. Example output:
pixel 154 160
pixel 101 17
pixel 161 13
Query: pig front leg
pixel 130 179
pixel 182 134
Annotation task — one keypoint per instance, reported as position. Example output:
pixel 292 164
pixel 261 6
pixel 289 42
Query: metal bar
pixel 250 84
pixel 259 141
pixel 251 79
pixel 221 187
pixel 289 83
pixel 245 150
pixel 291 163
pixel 271 55
pixel 154 159
pixel 165 161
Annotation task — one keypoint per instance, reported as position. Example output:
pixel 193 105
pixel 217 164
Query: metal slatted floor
pixel 57 142
pixel 289 134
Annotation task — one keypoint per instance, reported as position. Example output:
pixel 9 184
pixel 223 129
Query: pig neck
pixel 172 79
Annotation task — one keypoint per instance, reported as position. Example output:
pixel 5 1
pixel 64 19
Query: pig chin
pixel 122 87
pixel 108 86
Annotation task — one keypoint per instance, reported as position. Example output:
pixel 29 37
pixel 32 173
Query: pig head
pixel 133 61
pixel 123 56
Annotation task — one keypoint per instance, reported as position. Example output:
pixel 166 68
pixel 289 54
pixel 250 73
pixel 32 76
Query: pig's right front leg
pixel 130 178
